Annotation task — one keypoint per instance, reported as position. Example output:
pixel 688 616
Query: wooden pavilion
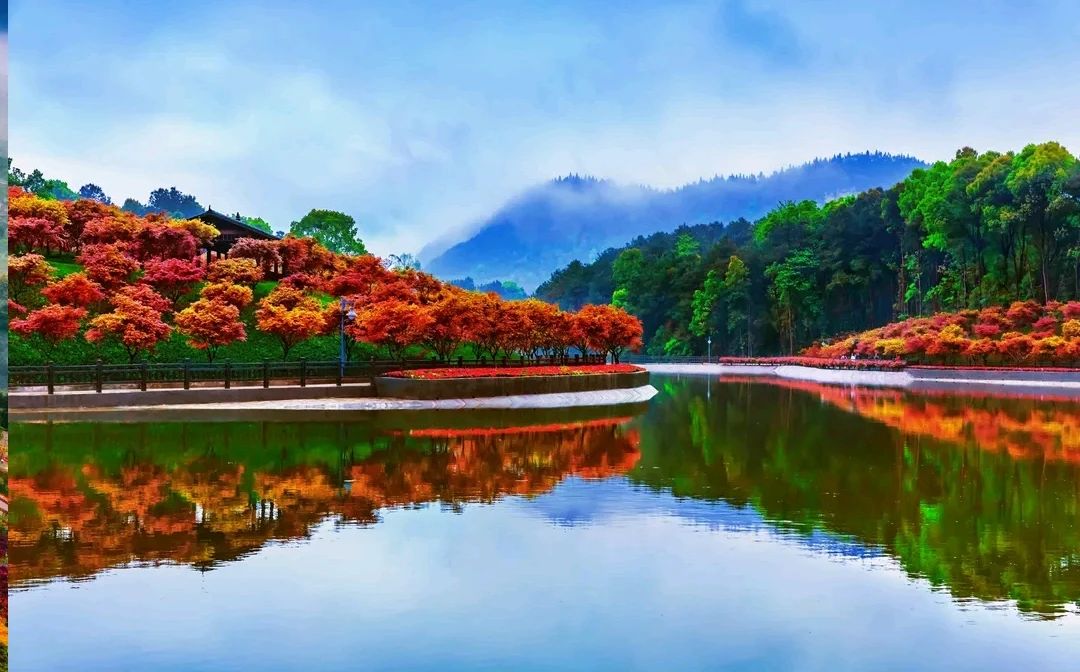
pixel 231 229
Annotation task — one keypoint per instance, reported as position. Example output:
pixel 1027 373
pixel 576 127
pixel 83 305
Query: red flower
pixel 514 372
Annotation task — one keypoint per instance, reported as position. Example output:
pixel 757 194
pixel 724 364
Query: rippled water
pixel 731 525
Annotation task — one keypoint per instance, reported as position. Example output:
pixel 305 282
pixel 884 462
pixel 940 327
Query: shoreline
pixel 914 378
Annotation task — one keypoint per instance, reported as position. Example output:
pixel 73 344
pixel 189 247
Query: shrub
pixel 987 329
pixel 1023 313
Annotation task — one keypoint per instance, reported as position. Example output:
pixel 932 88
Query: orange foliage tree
pixel 304 255
pixel 486 324
pixel 144 294
pixel 35 222
pixel 290 316
pixel 609 329
pixel 237 295
pixel 27 273
pixel 392 324
pixel 448 323
pixel 209 324
pixel 114 227
pixel 135 322
pixel 202 232
pixel 235 271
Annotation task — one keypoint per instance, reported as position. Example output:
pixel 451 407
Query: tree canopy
pixel 334 230
pixel 984 229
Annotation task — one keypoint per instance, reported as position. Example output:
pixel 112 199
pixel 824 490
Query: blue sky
pixel 420 118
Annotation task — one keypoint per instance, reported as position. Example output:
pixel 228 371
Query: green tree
pixel 796 304
pixel 704 304
pixel 787 226
pixel 686 246
pixel 737 298
pixel 335 230
pixel 1038 176
pixel 258 223
pixel 628 272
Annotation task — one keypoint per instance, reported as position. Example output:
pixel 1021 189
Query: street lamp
pixel 708 340
pixel 352 316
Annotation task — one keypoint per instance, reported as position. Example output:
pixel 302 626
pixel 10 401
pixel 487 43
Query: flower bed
pixel 1023 333
pixel 511 372
pixel 881 364
pixel 818 362
pixel 1032 369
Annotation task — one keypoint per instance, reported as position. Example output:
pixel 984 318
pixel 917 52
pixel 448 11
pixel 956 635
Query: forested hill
pixel 981 230
pixel 578 217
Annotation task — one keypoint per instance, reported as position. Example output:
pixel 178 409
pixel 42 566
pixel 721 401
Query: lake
pixel 729 525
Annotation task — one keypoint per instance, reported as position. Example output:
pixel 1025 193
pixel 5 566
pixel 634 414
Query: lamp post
pixel 708 340
pixel 352 316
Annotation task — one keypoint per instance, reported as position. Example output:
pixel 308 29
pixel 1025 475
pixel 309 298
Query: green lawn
pixel 64 268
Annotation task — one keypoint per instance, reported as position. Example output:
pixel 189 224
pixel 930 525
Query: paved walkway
pixel 1018 382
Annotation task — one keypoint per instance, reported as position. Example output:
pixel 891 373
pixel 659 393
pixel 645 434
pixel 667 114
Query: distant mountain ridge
pixel 576 217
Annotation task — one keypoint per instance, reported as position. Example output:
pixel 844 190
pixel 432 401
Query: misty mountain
pixel 573 217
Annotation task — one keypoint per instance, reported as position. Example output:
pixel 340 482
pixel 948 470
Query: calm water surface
pixel 732 525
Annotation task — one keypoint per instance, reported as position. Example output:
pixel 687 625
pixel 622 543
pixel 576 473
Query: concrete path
pixel 1021 382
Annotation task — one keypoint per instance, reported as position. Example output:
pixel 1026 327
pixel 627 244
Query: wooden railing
pixel 144 375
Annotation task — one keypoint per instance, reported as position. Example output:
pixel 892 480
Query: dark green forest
pixel 982 229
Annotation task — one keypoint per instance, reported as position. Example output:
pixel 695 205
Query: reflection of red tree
pixel 1021 427
pixel 58 501
pixel 480 465
pixel 209 510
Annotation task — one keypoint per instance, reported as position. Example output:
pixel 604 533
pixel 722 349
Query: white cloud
pixel 422 123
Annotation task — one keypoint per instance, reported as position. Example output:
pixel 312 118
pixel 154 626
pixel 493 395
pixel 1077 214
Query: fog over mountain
pixel 577 217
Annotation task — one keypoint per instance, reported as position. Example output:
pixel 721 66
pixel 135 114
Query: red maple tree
pixel 74 290
pixel 54 323
pixel 35 233
pixel 392 324
pixel 173 277
pixel 108 264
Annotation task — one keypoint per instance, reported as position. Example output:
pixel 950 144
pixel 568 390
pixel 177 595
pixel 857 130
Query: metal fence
pixel 146 375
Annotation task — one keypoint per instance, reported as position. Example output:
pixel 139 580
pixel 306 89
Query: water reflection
pixel 86 498
pixel 980 496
